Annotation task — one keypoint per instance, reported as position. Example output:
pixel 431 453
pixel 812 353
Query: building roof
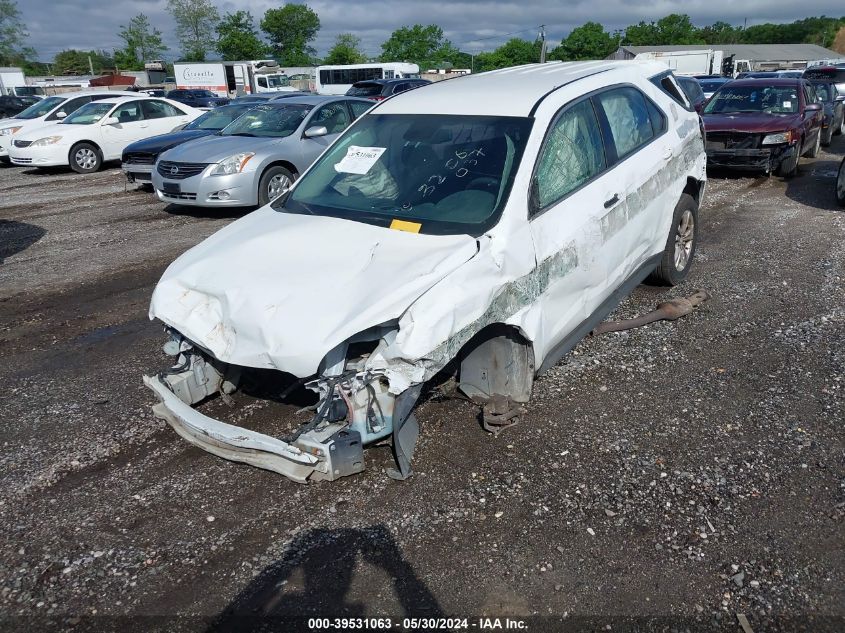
pixel 758 52
pixel 506 92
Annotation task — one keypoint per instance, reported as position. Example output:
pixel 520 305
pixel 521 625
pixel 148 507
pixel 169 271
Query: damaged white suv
pixel 486 223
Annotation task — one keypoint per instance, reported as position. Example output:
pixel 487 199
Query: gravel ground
pixel 667 478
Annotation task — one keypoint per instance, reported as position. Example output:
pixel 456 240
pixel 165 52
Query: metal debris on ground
pixel 500 413
pixel 668 310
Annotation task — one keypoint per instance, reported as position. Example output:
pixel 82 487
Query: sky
pixel 472 25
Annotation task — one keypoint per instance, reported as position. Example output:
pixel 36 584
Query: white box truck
pixel 13 82
pixel 698 62
pixel 228 79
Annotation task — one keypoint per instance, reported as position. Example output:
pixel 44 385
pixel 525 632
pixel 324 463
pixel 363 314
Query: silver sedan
pixel 256 157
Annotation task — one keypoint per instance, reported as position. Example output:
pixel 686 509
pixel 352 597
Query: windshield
pixel 89 113
pixel 42 108
pixel 364 90
pixel 272 121
pixel 767 99
pixel 442 173
pixel 712 85
pixel 277 81
pixel 218 118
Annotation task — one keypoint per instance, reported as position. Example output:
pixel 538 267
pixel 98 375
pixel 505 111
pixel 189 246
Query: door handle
pixel 667 153
pixel 612 201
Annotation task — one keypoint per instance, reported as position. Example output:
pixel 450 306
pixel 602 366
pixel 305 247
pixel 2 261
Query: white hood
pixel 279 290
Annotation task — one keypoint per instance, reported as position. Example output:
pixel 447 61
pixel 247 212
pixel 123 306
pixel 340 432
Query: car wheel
pixel 680 248
pixel 789 167
pixel 274 182
pixel 85 158
pixel 840 184
pixel 827 136
pixel 841 128
pixel 814 150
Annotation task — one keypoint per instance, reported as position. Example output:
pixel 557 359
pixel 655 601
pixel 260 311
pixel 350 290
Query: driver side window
pixel 128 112
pixel 572 154
pixel 333 116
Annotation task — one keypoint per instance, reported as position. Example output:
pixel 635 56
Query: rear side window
pixel 668 85
pixel 627 115
pixel 572 154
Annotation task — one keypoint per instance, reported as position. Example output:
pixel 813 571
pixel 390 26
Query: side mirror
pixel 60 114
pixel 112 120
pixel 813 107
pixel 840 98
pixel 315 131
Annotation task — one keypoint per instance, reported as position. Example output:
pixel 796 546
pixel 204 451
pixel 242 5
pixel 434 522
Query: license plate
pixel 171 187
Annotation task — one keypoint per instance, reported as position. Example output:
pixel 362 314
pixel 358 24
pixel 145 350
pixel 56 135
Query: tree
pixel 290 30
pixel 588 41
pixel 12 35
pixel 143 42
pixel 238 39
pixel 195 23
pixel 74 62
pixel 422 45
pixel 346 50
pixel 677 28
pixel 721 33
pixel 514 52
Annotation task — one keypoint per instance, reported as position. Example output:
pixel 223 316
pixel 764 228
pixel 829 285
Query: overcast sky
pixel 472 25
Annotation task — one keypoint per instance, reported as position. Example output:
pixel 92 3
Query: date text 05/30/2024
pixel 411 624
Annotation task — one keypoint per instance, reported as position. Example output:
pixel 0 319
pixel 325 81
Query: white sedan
pixel 98 131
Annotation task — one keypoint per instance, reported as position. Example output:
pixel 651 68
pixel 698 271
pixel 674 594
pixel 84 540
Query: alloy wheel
pixel 684 236
pixel 277 186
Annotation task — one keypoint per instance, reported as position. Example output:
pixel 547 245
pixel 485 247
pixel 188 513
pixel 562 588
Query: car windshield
pixel 42 108
pixel 364 90
pixel 439 173
pixel 763 98
pixel 218 118
pixel 273 121
pixel 89 113
pixel 277 81
pixel 711 85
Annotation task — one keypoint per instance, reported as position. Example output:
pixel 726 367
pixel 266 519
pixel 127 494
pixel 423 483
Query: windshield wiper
pixel 241 134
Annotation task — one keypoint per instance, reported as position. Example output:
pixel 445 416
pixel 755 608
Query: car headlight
pixel 47 140
pixel 774 139
pixel 8 131
pixel 232 165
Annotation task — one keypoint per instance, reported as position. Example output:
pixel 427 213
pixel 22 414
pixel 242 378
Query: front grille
pixel 179 196
pixel 732 140
pixel 179 171
pixel 139 158
pixel 23 143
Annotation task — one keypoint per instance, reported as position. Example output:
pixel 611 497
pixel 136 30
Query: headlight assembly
pixel 232 165
pixel 8 131
pixel 774 139
pixel 47 140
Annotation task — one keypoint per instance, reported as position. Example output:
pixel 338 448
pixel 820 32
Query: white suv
pixel 491 220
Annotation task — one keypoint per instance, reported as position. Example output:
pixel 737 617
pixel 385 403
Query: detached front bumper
pixel 767 159
pixel 137 172
pixel 321 454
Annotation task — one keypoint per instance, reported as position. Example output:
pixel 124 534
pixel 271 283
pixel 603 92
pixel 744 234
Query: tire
pixel 827 136
pixel 85 158
pixel 840 184
pixel 841 128
pixel 271 181
pixel 789 167
pixel 681 244
pixel 814 150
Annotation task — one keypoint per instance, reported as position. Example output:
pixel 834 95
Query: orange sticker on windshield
pixel 402 225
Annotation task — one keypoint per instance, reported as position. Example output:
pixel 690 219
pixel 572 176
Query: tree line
pixel 287 34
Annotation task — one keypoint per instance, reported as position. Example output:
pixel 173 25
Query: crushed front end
pixel 749 151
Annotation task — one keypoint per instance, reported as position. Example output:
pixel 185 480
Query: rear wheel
pixel 85 158
pixel 680 248
pixel 827 136
pixel 840 184
pixel 274 182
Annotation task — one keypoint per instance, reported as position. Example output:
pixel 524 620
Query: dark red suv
pixel 762 124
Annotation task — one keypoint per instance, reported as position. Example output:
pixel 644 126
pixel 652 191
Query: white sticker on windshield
pixel 787 104
pixel 359 160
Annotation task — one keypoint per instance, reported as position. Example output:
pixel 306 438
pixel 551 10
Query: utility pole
pixel 542 43
pixel 90 65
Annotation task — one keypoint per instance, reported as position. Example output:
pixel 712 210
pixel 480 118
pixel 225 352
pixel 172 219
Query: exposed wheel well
pixel 498 360
pixel 693 189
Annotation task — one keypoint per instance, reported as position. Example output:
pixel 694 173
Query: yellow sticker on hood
pixel 402 225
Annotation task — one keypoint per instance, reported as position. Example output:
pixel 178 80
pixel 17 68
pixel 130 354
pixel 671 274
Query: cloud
pixel 473 25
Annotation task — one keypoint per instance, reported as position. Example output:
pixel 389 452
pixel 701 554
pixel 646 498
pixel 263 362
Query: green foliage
pixel 674 28
pixel 514 52
pixel 143 42
pixel 290 31
pixel 346 50
pixel 238 39
pixel 422 45
pixel 589 41
pixel 721 33
pixel 74 62
pixel 195 24
pixel 821 30
pixel 12 35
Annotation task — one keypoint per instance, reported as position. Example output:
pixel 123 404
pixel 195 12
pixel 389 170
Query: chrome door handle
pixel 612 201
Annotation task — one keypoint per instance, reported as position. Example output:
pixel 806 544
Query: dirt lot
pixel 668 477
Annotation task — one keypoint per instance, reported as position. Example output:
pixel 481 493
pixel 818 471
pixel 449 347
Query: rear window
pixel 364 90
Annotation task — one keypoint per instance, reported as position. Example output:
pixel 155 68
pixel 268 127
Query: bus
pixel 336 80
